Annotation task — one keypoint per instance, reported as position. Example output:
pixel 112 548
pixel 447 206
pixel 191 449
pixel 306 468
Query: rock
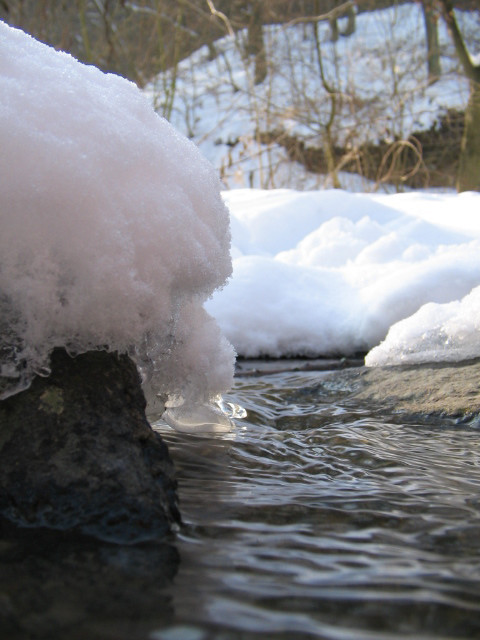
pixel 422 392
pixel 77 453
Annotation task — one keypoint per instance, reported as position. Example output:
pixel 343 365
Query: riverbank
pixel 418 392
pixel 428 391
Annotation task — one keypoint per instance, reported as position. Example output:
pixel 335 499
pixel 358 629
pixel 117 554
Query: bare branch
pixel 337 12
pixel 471 71
pixel 222 16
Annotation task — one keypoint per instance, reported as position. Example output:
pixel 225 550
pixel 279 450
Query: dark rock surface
pixel 77 453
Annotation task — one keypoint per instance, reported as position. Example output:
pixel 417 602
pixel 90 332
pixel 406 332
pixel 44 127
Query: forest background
pixel 140 40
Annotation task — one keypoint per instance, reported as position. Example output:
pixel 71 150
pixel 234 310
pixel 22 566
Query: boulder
pixel 77 453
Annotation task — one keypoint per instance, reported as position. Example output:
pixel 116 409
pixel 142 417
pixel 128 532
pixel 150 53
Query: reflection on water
pixel 312 519
pixel 59 586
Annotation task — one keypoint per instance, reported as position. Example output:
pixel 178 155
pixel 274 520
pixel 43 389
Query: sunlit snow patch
pixel 435 333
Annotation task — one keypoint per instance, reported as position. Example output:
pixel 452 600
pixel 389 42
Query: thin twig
pixel 222 17
pixel 393 155
pixel 337 12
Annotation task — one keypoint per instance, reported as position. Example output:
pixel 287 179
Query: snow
pixel 329 272
pixel 113 229
pixel 435 333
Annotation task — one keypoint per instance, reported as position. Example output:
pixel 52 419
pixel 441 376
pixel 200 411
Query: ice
pixel 113 229
pixel 198 418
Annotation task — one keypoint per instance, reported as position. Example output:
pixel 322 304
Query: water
pixel 314 518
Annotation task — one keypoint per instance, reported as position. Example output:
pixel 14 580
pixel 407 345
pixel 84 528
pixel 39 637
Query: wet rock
pixel 422 392
pixel 77 453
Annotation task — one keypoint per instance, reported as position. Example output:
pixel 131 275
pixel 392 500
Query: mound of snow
pixel 113 231
pixel 329 272
pixel 435 333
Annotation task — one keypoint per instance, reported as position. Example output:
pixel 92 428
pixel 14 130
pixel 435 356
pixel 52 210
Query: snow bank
pixel 113 230
pixel 329 272
pixel 435 333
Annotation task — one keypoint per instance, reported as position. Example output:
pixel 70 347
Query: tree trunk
pixel 433 49
pixel 256 45
pixel 468 177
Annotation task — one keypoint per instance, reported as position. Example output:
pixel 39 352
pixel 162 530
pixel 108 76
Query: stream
pixel 316 519
pixel 313 518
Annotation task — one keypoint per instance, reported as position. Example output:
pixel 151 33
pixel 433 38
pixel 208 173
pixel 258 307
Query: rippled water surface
pixel 316 519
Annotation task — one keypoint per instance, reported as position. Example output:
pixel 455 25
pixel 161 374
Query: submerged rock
pixel 77 453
